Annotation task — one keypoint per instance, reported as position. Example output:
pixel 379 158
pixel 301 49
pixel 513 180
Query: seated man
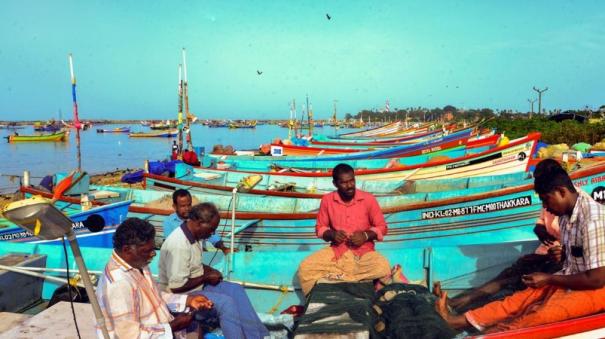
pixel 181 202
pixel 182 271
pixel 131 302
pixel 577 290
pixel 509 280
pixel 351 220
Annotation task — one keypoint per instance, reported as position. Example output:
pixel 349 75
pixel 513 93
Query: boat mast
pixel 77 124
pixel 188 115
pixel 290 122
pixel 311 123
pixel 180 115
pixel 308 116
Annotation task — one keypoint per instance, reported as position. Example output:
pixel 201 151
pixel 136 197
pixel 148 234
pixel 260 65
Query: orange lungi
pixel 537 306
pixel 349 267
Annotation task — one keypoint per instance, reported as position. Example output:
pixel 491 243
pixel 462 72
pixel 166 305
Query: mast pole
pixel 180 115
pixel 186 96
pixel 77 124
pixel 308 116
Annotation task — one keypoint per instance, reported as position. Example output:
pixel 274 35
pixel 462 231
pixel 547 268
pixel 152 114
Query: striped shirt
pixel 583 235
pixel 133 305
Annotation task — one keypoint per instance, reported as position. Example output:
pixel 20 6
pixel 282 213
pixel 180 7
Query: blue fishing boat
pixel 510 158
pixel 114 130
pixel 94 227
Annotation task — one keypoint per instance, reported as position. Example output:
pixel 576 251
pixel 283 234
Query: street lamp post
pixel 540 91
pixel 531 107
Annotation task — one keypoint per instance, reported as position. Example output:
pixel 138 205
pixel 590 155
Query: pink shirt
pixel 362 213
pixel 551 222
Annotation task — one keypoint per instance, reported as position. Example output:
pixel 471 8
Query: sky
pixel 469 54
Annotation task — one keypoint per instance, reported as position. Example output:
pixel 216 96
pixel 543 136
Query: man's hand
pixel 536 279
pixel 198 302
pixel 556 253
pixel 227 250
pixel 181 321
pixel 359 238
pixel 336 237
pixel 212 276
pixel 543 235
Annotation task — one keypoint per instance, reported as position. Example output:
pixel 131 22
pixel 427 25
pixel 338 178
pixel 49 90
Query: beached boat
pixel 461 241
pixel 510 158
pixel 452 140
pixel 156 134
pixel 59 136
pixel 94 227
pixel 114 130
pixel 398 194
pixel 457 267
pixel 376 131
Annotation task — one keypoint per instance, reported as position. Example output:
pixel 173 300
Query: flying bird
pixel 259 72
pixel 328 16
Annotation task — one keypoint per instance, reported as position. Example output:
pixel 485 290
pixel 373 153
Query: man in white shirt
pixel 182 271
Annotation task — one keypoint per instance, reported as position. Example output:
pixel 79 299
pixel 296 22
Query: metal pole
pixel 531 107
pixel 75 107
pixel 26 178
pixel 233 203
pixel 540 91
pixel 96 308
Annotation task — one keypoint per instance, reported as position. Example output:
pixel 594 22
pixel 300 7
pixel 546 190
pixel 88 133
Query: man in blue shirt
pixel 181 202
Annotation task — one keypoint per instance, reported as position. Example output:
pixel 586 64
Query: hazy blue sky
pixel 464 53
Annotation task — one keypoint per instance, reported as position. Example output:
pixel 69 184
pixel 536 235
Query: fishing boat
pixel 84 125
pixel 49 126
pixel 457 267
pixel 217 124
pixel 156 134
pixel 94 227
pixel 510 158
pixel 427 238
pixel 59 136
pixel 114 130
pixel 243 124
pixel 452 140
pixel 162 125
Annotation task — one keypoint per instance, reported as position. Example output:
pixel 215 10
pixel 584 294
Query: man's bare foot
pixel 455 321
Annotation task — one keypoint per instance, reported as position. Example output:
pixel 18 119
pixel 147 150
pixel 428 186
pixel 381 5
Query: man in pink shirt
pixel 350 220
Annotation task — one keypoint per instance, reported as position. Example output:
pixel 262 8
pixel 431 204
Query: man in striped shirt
pixel 575 291
pixel 132 304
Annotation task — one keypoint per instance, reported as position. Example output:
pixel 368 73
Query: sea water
pixel 103 152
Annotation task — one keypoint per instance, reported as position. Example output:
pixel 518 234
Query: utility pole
pixel 531 105
pixel 540 91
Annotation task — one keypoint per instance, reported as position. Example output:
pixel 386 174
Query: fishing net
pixel 408 311
pixel 396 311
pixel 339 308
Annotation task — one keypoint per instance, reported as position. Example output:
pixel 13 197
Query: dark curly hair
pixel 340 169
pixel 180 193
pixel 133 231
pixel 204 212
pixel 549 175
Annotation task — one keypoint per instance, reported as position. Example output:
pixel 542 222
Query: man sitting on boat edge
pixel 575 291
pixel 132 304
pixel 351 220
pixel 182 271
pixel 510 279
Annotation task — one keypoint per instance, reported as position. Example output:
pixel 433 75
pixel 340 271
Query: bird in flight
pixel 259 72
pixel 328 16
